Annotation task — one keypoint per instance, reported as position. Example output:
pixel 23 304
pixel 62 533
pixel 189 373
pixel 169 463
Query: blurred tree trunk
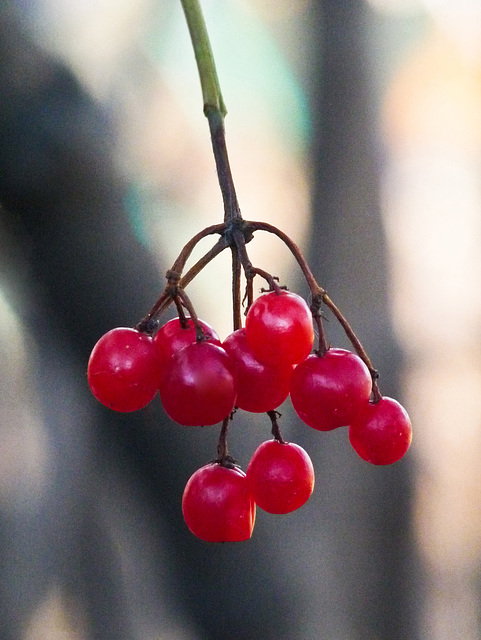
pixel 348 254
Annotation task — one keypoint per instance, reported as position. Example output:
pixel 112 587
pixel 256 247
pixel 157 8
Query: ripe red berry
pixel 260 387
pixel 279 328
pixel 199 387
pixel 217 505
pixel 124 369
pixel 172 336
pixel 328 391
pixel 280 476
pixel 381 432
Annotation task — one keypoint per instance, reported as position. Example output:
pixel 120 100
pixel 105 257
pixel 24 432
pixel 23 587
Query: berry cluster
pixel 202 381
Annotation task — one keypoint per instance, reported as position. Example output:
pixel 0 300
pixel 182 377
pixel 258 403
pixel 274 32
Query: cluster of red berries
pixel 201 380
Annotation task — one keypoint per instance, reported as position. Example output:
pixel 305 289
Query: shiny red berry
pixel 199 386
pixel 124 369
pixel 280 476
pixel 217 505
pixel 172 336
pixel 328 391
pixel 279 328
pixel 381 432
pixel 260 387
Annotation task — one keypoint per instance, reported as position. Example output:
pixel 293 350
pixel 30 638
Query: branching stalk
pixel 235 233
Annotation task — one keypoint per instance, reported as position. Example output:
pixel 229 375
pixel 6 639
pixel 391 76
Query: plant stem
pixel 236 290
pixel 222 447
pixel 223 457
pixel 235 232
pixel 276 431
pixel 214 106
pixel 293 248
pixel 224 174
pixel 215 112
pixel 185 300
pixel 184 255
pixel 319 296
pixel 174 279
pixel 209 80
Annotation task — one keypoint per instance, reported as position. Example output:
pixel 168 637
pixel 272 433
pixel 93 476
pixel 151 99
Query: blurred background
pixel 355 126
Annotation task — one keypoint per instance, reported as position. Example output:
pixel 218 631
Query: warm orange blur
pixel 432 198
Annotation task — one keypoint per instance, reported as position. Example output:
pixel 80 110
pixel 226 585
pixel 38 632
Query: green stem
pixel 214 107
pixel 209 80
pixel 215 112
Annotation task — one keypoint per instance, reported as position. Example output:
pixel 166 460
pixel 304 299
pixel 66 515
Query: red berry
pixel 172 336
pixel 199 387
pixel 279 328
pixel 260 387
pixel 280 476
pixel 124 369
pixel 328 391
pixel 217 505
pixel 381 432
